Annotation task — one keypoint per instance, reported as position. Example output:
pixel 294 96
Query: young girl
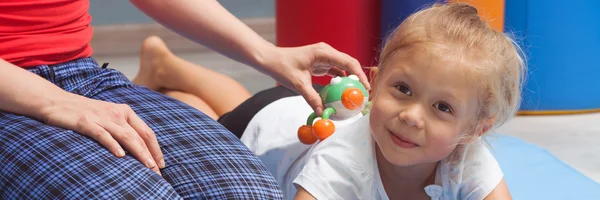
pixel 444 80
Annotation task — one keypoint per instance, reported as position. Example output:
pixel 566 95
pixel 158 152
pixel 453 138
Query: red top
pixel 37 32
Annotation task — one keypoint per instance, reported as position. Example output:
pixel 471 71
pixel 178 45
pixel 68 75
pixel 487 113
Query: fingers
pixel 320 69
pixel 148 136
pixel 111 126
pixel 99 134
pixel 335 72
pixel 132 142
pixel 326 53
pixel 312 98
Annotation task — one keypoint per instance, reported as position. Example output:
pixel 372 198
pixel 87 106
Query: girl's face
pixel 421 106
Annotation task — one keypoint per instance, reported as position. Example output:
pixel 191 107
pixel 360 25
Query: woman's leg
pixel 45 162
pixel 203 159
pixel 161 70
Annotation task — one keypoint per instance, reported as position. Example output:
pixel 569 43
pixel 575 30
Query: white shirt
pixel 344 166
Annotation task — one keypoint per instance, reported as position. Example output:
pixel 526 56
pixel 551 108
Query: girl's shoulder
pixel 276 124
pixel 472 174
pixel 272 136
pixel 341 167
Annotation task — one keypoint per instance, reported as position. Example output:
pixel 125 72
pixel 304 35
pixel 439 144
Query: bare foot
pixel 154 51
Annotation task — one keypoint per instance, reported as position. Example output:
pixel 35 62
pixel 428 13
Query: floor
pixel 574 139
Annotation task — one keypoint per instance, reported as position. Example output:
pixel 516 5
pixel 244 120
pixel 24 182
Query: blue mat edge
pixel 499 141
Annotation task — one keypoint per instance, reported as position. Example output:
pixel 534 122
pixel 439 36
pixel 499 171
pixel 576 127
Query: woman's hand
pixel 294 68
pixel 115 126
pixel 110 124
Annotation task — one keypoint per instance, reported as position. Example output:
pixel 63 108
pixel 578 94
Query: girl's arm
pixel 302 194
pixel 500 192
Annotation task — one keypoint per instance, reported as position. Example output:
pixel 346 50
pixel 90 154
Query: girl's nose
pixel 413 116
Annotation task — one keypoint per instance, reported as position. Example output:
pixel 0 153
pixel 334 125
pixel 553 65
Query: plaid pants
pixel 203 159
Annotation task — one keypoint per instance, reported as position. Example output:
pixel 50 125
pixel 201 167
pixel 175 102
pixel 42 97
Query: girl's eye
pixel 443 107
pixel 404 89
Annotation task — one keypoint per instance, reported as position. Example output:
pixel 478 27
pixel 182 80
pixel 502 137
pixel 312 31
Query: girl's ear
pixel 487 125
pixel 478 130
pixel 372 75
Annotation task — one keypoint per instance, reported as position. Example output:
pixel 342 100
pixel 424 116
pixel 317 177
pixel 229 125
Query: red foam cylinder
pixel 350 26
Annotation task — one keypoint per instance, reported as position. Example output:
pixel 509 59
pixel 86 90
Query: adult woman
pixel 64 132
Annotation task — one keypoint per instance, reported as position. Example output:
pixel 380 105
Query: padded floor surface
pixel 531 172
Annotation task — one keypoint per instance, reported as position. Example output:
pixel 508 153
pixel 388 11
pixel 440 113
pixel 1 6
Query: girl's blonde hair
pixel 455 31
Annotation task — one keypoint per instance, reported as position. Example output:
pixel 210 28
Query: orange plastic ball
pixel 323 128
pixel 352 98
pixel 305 135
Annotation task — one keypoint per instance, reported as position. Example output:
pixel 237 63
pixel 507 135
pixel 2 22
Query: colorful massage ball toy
pixel 343 97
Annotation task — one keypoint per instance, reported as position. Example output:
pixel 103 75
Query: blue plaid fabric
pixel 204 160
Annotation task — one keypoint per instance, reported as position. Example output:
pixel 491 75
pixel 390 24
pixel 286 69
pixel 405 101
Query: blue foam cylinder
pixel 562 42
pixel 393 12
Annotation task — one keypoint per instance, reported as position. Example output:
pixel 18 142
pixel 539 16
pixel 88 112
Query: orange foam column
pixel 490 10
